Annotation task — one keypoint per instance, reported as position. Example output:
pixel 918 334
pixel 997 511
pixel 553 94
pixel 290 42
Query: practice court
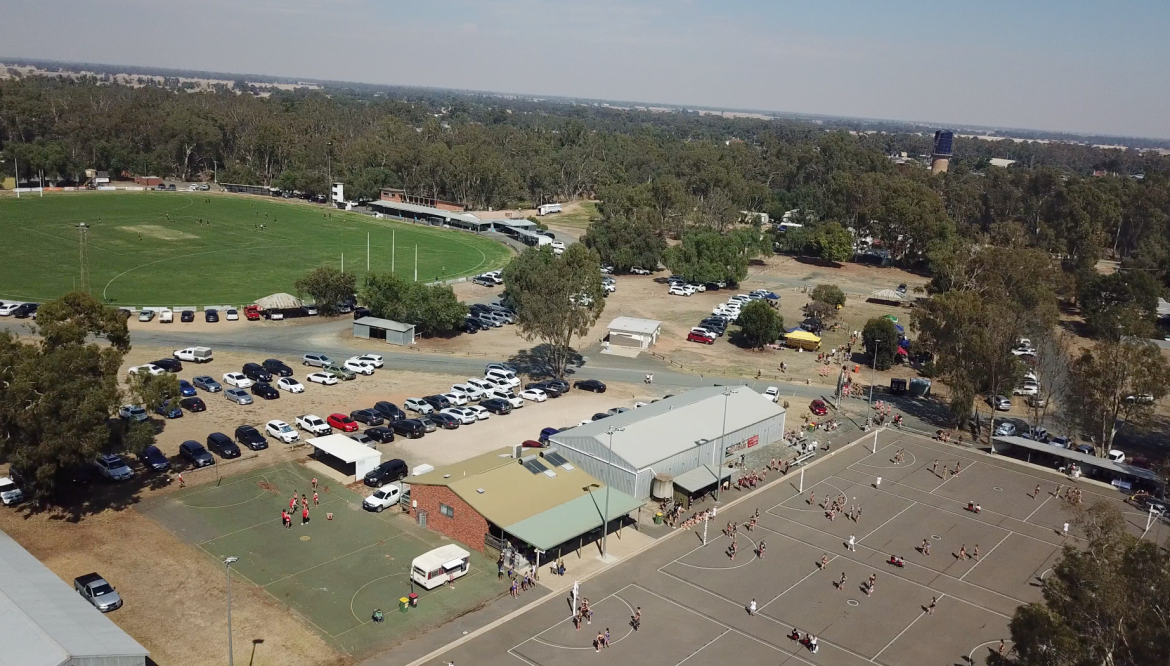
pixel 694 597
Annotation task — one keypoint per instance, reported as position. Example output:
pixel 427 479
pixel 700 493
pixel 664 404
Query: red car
pixel 342 422
pixel 695 336
pixel 252 312
pixel 818 407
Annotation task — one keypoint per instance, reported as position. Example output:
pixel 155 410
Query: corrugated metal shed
pixel 393 332
pixel 567 521
pixel 43 621
pixel 672 436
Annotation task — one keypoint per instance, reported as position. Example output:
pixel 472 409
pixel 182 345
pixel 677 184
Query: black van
pixel 256 372
pixel 223 445
pixel 388 472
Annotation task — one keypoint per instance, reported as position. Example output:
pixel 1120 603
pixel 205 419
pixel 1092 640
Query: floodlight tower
pixel 940 157
pixel 83 230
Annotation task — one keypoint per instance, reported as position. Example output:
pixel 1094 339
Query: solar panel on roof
pixel 534 466
pixel 555 458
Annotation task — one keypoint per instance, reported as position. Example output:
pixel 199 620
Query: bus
pixel 440 566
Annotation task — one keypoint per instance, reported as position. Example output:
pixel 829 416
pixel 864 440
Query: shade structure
pixel 886 295
pixel 803 335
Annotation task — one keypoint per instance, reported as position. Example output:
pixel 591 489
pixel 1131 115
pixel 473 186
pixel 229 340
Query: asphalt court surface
pixel 694 597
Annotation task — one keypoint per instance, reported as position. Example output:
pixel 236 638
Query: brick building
pixel 500 502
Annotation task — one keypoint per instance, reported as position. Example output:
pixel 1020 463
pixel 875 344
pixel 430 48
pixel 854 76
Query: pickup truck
pixel 94 589
pixel 314 424
pixel 252 312
pixel 194 354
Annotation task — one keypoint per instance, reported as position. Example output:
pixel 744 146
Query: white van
pixel 500 375
pixel 439 566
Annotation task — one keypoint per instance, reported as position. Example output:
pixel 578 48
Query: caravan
pixel 439 566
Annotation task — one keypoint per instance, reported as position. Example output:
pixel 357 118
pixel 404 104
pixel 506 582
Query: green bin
pixel 403 604
pixel 658 518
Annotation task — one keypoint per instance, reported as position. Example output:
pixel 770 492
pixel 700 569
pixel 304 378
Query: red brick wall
pixel 467 527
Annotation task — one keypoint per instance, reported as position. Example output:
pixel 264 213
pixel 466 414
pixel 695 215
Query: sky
pixel 1072 65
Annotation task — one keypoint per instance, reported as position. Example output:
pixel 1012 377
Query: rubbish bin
pixel 413 599
pixel 403 604
pixel 658 518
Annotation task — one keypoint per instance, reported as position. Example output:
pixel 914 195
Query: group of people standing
pixel 302 501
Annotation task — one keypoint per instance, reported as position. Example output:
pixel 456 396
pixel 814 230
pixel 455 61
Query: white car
pixel 697 287
pixel 8 308
pixel 1031 377
pixel 314 424
pixel 289 384
pixel 640 404
pixel 327 378
pixel 166 317
pixel 739 298
pixel 386 496
pixel 681 290
pixel 772 393
pixel 132 412
pixel 237 379
pixel 465 416
pixel 468 391
pixel 360 367
pixel 507 396
pixel 535 395
pixel 609 287
pixel 372 359
pixel 1116 455
pixel 482 384
pixel 480 413
pixel 149 367
pixel 418 405
pixel 638 270
pixel 282 431
pixel 456 399
pixel 558 246
pixel 233 315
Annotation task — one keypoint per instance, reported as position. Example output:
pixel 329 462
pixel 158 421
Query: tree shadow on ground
pixel 817 261
pixel 537 361
pixel 931 411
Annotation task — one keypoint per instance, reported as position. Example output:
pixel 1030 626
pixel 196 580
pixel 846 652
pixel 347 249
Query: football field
pixel 196 248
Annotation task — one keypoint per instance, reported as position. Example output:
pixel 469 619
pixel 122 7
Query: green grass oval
pixel 192 248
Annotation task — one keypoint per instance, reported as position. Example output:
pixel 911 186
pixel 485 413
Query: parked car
pixel 132 412
pixel 193 405
pixel 638 270
pixel 481 385
pixel 252 312
pixel 502 376
pixel 290 384
pixel 148 368
pixel 194 453
pixel 326 378
pixel 187 316
pixel 359 367
pixel 237 379
pixel 533 394
pixel 314 424
pixel 250 437
pixel 207 384
pixel 373 359
pixel 1005 429
pixel 211 316
pixel 438 402
pixel 94 589
pixel 465 416
pixel 1000 403
pixel 256 372
pixel 265 390
pixel 238 395
pixel 480 413
pixel 772 393
pixel 281 430
pixel 681 290
pixel 166 317
pixel 410 428
pixel 26 310
pixel 223 445
pixel 369 417
pixel 428 425
pixel 317 360
pixel 277 367
pixel 703 337
pixel 818 407
pixel 418 405
pixel 455 399
pixel 169 364
pixel 146 315
pixel 233 315
pixel 342 422
pixel 382 434
pixel 389 410
pixel 168 410
pixel 445 421
pixel 153 459
pixel 1116 455
pixel 388 472
pixel 496 406
pixel 113 468
pixel 589 385
pixel 387 496
pixel 548 388
pixel 340 371
pixel 186 390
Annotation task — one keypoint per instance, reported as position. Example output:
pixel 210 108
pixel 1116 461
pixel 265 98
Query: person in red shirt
pixel 285 519
pixel 305 515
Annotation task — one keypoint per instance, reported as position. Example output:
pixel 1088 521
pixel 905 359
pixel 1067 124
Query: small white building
pixel 634 332
pixel 347 452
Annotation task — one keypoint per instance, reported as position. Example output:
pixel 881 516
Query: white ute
pixel 194 354
pixel 311 423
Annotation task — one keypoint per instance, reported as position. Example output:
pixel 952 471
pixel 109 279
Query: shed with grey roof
pixel 703 427
pixel 46 623
pixel 393 332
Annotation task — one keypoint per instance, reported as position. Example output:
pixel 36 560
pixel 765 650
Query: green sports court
pixel 332 573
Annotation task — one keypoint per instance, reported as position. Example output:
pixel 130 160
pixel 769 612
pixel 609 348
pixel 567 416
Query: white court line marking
pixel 569 617
pixel 1037 509
pixel 985 555
pixel 973 463
pixel 912 505
pixel 815 507
pixel 629 631
pixel 725 632
pixel 811 573
pixel 879 653
pixel 912 463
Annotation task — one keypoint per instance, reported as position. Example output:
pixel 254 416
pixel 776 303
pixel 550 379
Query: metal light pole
pixel 16 168
pixel 227 567
pixel 872 379
pixel 605 519
pixel 722 446
pixel 329 169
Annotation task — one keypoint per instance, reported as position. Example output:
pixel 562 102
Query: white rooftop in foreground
pixel 634 325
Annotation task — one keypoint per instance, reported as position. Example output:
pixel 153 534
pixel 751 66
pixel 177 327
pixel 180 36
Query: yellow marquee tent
pixel 804 340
